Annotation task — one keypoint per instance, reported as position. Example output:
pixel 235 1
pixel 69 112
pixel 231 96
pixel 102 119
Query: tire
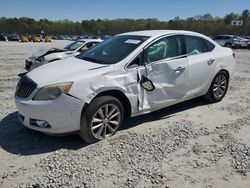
pixel 228 45
pixel 95 125
pixel 220 81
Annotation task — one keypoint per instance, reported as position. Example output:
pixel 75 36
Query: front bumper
pixel 62 114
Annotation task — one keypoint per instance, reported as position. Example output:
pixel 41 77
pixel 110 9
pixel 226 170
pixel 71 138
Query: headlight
pixel 52 91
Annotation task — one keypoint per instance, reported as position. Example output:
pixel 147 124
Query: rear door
pixel 201 63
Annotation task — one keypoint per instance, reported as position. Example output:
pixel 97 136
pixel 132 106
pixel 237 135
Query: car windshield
pixel 74 45
pixel 114 49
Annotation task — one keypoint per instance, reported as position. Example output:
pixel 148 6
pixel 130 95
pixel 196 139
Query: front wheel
pixel 101 119
pixel 218 88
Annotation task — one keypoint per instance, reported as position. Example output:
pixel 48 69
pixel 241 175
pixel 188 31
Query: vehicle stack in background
pixel 48 38
pixel 232 41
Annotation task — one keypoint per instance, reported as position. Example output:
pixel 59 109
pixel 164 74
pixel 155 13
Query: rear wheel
pixel 218 88
pixel 101 119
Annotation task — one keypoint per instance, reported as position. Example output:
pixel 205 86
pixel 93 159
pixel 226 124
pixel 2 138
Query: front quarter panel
pixel 124 81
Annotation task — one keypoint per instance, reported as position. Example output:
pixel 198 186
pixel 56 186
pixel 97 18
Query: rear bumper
pixel 62 114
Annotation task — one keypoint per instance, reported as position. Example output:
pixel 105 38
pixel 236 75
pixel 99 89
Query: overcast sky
pixel 78 10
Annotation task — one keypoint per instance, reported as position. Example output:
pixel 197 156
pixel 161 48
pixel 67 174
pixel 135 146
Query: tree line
pixel 206 24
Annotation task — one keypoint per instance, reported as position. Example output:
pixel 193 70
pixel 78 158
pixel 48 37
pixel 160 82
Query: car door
pixel 201 64
pixel 166 68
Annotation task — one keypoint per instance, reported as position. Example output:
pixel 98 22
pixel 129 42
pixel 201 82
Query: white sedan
pixel 44 56
pixel 128 75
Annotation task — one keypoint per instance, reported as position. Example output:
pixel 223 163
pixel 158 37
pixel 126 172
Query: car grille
pixel 25 87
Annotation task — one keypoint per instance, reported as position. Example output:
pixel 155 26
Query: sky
pixel 77 10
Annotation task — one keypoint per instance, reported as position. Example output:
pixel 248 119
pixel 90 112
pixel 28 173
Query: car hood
pixel 65 70
pixel 46 51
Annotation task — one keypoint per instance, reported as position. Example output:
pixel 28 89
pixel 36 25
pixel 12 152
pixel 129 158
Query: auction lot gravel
pixel 193 144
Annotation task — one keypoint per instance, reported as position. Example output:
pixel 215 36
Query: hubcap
pixel 106 121
pixel 220 86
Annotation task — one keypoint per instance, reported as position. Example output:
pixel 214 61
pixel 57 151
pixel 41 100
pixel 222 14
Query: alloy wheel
pixel 220 86
pixel 106 121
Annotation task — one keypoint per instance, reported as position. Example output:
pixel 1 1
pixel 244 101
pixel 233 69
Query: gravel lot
pixel 192 144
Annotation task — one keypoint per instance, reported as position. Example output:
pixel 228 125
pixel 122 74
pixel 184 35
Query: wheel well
pixel 121 97
pixel 226 73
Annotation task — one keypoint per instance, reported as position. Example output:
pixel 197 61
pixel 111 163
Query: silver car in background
pixel 44 56
pixel 229 41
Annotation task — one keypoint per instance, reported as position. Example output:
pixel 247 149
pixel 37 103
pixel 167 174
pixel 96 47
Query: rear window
pixel 74 45
pixel 210 46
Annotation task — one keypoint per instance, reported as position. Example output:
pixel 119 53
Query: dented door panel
pixel 169 78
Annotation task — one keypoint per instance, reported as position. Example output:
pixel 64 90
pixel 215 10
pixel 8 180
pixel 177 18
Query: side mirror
pixel 147 84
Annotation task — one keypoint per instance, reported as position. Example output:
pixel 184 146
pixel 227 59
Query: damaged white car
pixel 131 74
pixel 44 56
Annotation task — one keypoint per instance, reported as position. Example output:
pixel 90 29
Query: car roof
pixel 89 40
pixel 151 33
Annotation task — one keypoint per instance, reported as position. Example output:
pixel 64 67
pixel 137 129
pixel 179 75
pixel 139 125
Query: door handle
pixel 179 69
pixel 210 61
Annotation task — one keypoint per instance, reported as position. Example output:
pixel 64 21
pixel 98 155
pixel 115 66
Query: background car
pixel 44 56
pixel 24 38
pixel 13 37
pixel 128 75
pixel 229 41
pixel 243 42
pixel 37 38
pixel 3 38
pixel 248 40
pixel 105 37
pixel 47 39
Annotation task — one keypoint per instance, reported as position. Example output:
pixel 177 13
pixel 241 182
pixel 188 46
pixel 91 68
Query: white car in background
pixel 243 42
pixel 44 56
pixel 128 75
pixel 229 41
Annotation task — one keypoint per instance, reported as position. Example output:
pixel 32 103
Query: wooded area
pixel 206 24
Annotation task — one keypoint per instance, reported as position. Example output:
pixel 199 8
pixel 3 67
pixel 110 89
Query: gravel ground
pixel 192 144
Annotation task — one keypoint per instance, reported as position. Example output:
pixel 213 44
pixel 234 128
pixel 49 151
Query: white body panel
pixel 90 79
pixel 34 62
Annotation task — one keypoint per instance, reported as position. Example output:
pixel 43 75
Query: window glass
pixel 114 49
pixel 136 61
pixel 74 45
pixel 210 46
pixel 164 48
pixel 195 45
pixel 87 46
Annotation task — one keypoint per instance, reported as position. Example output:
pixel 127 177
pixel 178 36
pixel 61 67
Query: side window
pixel 195 45
pixel 210 46
pixel 136 61
pixel 165 48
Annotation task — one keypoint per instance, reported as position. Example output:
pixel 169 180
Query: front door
pixel 167 68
